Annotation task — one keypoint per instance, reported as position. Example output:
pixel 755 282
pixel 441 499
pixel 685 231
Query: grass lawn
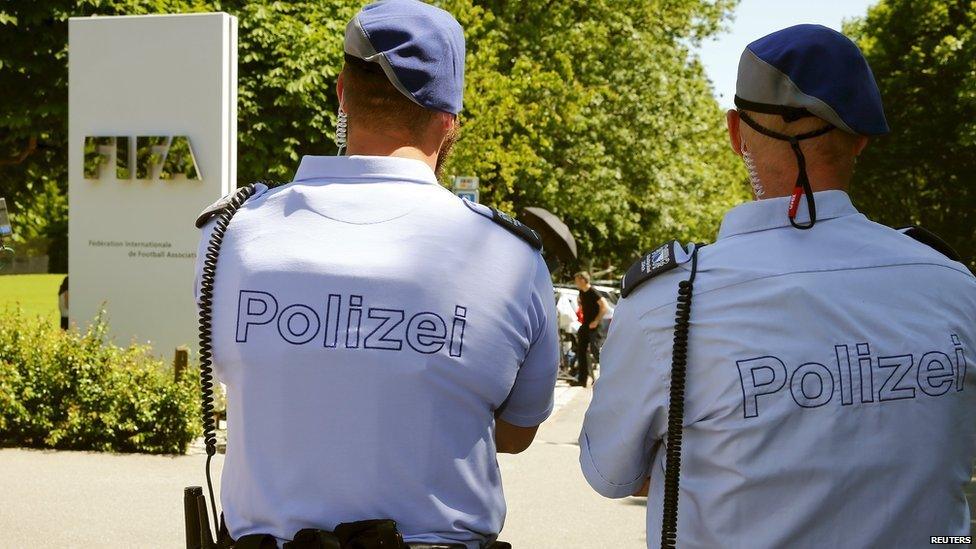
pixel 36 294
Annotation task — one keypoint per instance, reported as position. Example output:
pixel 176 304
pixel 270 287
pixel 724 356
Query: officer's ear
pixel 859 145
pixel 732 120
pixel 448 129
pixel 448 122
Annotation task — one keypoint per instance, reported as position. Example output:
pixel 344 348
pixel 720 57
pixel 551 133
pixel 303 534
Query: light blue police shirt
pixel 368 326
pixel 828 402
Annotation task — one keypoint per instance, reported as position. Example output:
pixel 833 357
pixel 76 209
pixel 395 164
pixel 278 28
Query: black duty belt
pixel 492 545
pixel 364 534
pixel 263 541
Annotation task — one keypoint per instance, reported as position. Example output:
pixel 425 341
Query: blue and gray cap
pixel 811 70
pixel 808 70
pixel 419 47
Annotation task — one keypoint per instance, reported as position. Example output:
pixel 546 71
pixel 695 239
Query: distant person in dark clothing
pixel 63 303
pixel 594 309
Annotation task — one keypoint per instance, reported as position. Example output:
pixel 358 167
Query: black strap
pixel 369 534
pixel 214 209
pixel 931 240
pixel 789 114
pixel 517 228
pixel 219 206
pixel 257 541
pixel 507 222
pixel 313 538
pixel 802 181
pixel 661 260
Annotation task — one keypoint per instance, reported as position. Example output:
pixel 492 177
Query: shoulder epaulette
pixel 213 209
pixel 219 206
pixel 664 258
pixel 931 240
pixel 507 222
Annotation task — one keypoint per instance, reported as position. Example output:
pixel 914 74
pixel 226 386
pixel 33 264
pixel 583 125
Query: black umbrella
pixel 556 239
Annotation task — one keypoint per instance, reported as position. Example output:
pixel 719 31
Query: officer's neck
pixel 371 144
pixel 781 182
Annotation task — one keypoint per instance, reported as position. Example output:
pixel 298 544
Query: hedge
pixel 74 391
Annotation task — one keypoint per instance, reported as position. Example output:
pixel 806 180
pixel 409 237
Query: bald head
pixel 773 167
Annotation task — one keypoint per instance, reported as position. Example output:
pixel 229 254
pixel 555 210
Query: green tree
pixel 595 110
pixel 42 226
pixel 34 112
pixel 289 57
pixel 923 53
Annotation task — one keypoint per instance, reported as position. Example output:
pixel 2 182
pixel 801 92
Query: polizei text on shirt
pixel 855 376
pixel 343 321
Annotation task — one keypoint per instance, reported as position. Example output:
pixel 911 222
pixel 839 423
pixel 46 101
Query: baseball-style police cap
pixel 419 47
pixel 811 70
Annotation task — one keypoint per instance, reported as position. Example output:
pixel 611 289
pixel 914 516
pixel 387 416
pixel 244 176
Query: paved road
pixel 549 503
pixel 81 499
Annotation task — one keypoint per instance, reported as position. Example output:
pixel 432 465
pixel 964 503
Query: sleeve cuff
pixel 523 420
pixel 596 479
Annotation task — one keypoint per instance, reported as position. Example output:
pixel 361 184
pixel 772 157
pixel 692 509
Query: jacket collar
pixel 365 169
pixel 761 215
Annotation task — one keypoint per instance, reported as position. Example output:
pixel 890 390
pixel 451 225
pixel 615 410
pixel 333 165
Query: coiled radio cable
pixel 676 405
pixel 206 327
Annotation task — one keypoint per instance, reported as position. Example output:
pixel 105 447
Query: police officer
pixel 826 401
pixel 380 339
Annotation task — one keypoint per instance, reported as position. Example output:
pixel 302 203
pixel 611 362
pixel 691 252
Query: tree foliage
pixel 289 57
pixel 923 53
pixel 595 110
pixel 34 112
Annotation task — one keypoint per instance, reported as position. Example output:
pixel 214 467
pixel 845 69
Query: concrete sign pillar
pixel 152 141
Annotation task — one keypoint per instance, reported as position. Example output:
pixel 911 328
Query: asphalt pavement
pixel 54 499
pixel 550 505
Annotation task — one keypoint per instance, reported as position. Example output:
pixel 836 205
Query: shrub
pixel 71 390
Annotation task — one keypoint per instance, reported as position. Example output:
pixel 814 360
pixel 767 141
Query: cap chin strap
pixel 802 181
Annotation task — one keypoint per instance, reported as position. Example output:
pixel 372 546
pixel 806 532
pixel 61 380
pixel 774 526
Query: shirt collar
pixel 770 213
pixel 348 169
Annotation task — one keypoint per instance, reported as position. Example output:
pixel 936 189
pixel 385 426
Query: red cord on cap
pixel 795 201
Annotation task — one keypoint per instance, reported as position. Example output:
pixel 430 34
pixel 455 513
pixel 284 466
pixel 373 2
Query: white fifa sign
pixel 152 141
